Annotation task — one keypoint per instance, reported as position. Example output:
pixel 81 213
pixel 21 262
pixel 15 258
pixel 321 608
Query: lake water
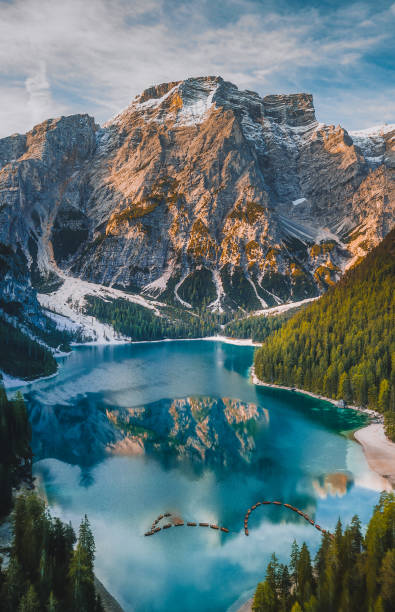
pixel 301 455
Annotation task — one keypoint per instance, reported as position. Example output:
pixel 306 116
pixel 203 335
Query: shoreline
pixel 12 382
pixel 120 342
pixel 379 451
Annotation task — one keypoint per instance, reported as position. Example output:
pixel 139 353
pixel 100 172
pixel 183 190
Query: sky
pixel 59 57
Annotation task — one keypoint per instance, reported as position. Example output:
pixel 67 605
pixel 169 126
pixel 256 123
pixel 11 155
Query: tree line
pixel 343 345
pixel 46 571
pixel 49 568
pixel 22 356
pixel 15 450
pixel 140 323
pixel 350 573
pixel 257 328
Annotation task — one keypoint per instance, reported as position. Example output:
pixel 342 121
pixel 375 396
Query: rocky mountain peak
pixel 156 91
pixel 198 193
pixel 293 109
pixel 188 102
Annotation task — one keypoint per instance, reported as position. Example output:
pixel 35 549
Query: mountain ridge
pixel 197 194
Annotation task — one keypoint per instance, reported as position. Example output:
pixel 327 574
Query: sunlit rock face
pixel 206 430
pixel 201 430
pixel 196 177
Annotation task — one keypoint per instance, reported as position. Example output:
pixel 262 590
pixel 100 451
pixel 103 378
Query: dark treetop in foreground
pixel 351 573
pixel 15 451
pixel 46 571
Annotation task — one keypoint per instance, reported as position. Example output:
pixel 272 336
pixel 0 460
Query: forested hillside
pixel 351 573
pixel 15 450
pixel 139 323
pixel 257 328
pixel 343 345
pixel 46 572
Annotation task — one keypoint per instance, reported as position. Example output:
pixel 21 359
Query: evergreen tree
pixel 30 601
pixel 387 580
pixel 81 570
pixel 352 573
pixel 304 570
pixel 342 345
pixel 384 395
pixel 265 599
pixel 45 572
pixel 15 450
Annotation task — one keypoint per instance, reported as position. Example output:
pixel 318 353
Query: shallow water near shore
pixel 302 456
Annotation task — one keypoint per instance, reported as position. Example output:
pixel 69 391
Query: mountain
pixel 343 345
pixel 203 430
pixel 197 194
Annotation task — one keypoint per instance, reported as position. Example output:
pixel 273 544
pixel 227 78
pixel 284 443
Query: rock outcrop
pixel 197 189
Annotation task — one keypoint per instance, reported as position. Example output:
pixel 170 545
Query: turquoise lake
pixel 302 454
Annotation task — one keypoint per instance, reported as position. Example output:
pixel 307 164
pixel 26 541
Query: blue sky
pixel 68 56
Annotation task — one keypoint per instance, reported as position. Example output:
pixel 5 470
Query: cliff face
pixel 198 192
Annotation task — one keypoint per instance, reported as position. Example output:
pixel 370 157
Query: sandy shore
pixel 236 341
pixel 109 602
pixel 378 449
pixel 247 607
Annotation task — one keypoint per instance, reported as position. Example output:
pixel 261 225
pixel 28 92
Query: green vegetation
pixel 198 289
pixel 277 283
pixel 23 357
pixel 140 323
pixel 342 345
pixel 239 289
pixel 46 572
pixel 389 424
pixel 257 328
pixel 15 451
pixel 351 573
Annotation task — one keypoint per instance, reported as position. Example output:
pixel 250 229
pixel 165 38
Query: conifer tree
pixel 352 573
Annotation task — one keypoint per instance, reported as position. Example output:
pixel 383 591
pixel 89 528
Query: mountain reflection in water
pixel 124 433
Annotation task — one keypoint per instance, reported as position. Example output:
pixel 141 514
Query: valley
pixel 197 199
pixel 141 262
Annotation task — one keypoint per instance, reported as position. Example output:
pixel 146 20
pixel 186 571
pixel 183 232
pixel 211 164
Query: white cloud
pixel 40 103
pixel 77 56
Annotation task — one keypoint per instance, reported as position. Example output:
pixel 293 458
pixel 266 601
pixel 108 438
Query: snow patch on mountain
pixel 275 310
pixel 372 142
pixel 253 132
pixel 176 288
pixel 157 286
pixel 69 302
pixel 195 109
pixel 155 102
pixel 260 300
pixel 374 131
pixel 216 305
